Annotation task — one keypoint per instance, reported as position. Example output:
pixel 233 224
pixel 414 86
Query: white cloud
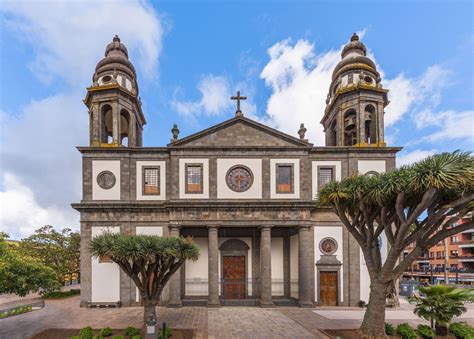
pixel 40 167
pixel 21 214
pixel 69 37
pixel 413 156
pixel 450 125
pixel 299 80
pixel 215 94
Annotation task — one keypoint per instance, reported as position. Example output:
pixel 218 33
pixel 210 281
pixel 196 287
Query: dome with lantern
pixel 116 68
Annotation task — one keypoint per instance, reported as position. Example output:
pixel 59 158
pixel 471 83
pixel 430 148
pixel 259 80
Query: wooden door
pixel 233 275
pixel 328 288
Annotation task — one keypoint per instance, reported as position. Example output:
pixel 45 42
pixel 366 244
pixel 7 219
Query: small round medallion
pixel 106 180
pixel 239 178
pixel 328 246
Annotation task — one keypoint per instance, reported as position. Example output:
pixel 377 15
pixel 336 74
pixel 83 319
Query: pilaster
pixel 305 266
pixel 266 266
pixel 213 267
pixel 175 281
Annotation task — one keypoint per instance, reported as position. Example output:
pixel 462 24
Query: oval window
pixel 106 78
pixel 368 80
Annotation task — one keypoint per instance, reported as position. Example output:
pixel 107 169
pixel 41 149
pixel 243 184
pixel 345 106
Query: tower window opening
pixel 350 130
pixel 106 121
pixel 368 80
pixel 124 128
pixel 106 78
pixel 370 125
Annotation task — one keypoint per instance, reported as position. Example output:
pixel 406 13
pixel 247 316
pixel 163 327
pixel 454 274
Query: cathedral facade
pixel 245 192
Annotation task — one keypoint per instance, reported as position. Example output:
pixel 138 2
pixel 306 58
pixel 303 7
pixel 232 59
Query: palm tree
pixel 417 203
pixel 441 303
pixel 148 260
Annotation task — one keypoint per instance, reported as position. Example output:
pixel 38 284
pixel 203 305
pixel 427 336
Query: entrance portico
pixel 262 265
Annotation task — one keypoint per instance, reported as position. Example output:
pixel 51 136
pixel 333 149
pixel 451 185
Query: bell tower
pixel 115 115
pixel 356 101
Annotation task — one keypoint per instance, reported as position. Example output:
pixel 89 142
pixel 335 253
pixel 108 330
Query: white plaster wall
pixel 314 173
pixel 294 266
pixel 224 192
pixel 277 267
pixel 321 232
pixel 146 230
pixel 248 241
pixel 128 83
pixel 182 179
pixel 99 193
pixel 139 176
pixel 105 277
pixel 296 179
pixel 364 166
pixel 197 271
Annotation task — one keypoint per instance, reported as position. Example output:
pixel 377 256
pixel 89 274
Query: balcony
pixel 466 244
pixel 466 258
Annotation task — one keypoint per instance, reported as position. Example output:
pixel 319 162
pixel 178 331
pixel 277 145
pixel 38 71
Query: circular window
pixel 371 174
pixel 328 246
pixel 368 80
pixel 106 180
pixel 239 178
pixel 106 78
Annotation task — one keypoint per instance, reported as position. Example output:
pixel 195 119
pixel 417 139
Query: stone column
pixel 286 267
pixel 305 266
pixel 115 123
pixel 213 267
pixel 132 133
pixel 175 281
pixel 266 266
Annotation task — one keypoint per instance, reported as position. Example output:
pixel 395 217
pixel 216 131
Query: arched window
pixel 350 128
pixel 370 130
pixel 124 127
pixel 106 121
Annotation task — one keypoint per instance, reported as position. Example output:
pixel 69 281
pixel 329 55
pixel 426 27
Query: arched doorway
pixel 234 254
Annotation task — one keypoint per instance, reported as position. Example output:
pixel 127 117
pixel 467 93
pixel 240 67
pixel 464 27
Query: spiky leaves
pixel 417 203
pixel 149 260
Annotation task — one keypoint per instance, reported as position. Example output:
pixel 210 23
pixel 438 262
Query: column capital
pixel 266 226
pixel 174 226
pixel 213 227
pixel 304 226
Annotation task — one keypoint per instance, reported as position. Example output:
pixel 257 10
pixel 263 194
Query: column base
pixel 266 304
pixel 305 304
pixel 174 304
pixel 214 304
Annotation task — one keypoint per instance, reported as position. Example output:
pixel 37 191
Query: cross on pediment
pixel 238 97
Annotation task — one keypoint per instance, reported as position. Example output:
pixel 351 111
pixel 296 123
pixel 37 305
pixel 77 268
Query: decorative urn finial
pixel 302 132
pixel 175 132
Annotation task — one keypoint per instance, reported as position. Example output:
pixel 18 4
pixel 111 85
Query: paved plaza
pixel 225 322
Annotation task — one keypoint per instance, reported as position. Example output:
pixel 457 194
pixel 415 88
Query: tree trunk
pixel 149 313
pixel 373 326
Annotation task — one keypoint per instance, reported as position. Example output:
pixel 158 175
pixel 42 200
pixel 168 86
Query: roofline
pixel 194 136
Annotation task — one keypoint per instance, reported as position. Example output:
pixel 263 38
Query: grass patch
pixel 15 311
pixel 62 294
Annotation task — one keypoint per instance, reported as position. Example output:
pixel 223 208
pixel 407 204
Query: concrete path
pixel 225 322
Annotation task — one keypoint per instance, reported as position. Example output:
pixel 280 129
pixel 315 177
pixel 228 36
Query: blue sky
pixel 190 56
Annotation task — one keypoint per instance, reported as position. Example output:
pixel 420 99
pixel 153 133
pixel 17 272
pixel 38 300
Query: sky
pixel 191 56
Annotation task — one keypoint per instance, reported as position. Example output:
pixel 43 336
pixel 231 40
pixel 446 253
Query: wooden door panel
pixel 233 275
pixel 328 288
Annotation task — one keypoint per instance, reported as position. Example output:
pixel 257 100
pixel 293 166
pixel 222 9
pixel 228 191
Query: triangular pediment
pixel 240 132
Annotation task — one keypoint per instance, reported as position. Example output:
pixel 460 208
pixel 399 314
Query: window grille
pixel 151 181
pixel 326 175
pixel 284 177
pixel 194 178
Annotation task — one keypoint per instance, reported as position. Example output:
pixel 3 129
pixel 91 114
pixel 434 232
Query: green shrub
pixel 425 331
pixel 389 329
pixel 97 337
pixel 117 337
pixel 130 331
pixel 86 333
pixel 15 311
pixel 74 337
pixel 406 331
pixel 61 294
pixel 462 330
pixel 106 332
pixel 137 337
pixel 166 335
